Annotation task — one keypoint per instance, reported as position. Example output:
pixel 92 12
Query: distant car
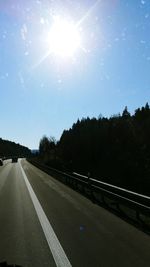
pixel 1 162
pixel 14 159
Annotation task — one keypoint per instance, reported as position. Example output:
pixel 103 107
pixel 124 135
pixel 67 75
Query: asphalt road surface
pixel 45 223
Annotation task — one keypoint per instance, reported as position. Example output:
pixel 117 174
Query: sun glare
pixel 64 38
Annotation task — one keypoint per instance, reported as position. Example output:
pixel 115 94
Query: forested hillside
pixel 114 150
pixel 9 149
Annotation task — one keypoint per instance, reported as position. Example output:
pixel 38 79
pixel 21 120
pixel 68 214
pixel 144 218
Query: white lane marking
pixel 58 253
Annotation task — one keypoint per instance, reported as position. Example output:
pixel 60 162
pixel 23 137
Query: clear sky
pixel 43 91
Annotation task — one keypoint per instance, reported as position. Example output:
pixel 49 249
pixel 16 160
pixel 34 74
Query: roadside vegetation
pixel 114 150
pixel 10 149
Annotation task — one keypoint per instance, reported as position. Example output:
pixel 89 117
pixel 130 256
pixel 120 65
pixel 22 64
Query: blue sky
pixel 111 71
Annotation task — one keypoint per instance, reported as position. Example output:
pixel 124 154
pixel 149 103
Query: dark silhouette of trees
pixel 47 150
pixel 126 113
pixel 10 149
pixel 114 150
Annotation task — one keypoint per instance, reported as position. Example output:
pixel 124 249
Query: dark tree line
pixel 10 149
pixel 115 150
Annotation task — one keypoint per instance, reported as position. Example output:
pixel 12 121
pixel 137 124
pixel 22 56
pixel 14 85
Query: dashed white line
pixel 57 251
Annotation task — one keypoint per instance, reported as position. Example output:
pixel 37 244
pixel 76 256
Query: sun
pixel 64 38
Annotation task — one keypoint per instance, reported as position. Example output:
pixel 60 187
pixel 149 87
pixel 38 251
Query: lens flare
pixel 64 38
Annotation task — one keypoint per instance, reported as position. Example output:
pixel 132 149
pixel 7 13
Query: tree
pixel 44 145
pixel 125 112
pixel 115 149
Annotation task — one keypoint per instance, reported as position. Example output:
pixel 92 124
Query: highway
pixel 45 223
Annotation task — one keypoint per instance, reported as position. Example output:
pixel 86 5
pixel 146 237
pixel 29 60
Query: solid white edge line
pixel 58 253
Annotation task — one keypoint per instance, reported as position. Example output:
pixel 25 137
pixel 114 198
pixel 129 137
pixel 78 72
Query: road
pixel 45 223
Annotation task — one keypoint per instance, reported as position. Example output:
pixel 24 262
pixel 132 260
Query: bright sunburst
pixel 64 38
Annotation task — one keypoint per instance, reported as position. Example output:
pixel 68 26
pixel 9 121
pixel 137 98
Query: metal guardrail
pixel 138 202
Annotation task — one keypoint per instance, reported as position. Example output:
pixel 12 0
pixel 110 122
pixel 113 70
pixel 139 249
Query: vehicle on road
pixel 14 159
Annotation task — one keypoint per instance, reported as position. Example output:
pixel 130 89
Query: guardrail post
pixel 118 207
pixel 138 216
pixel 90 186
pixel 75 184
pixel 103 199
